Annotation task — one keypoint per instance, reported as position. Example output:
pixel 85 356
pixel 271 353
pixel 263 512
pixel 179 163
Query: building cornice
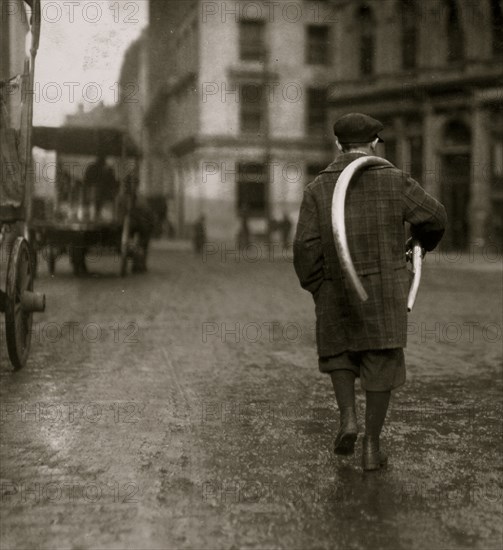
pixel 166 91
pixel 413 85
pixel 253 73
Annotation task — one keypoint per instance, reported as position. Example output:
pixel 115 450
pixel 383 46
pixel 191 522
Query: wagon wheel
pixel 32 243
pixel 124 248
pixel 34 259
pixel 18 322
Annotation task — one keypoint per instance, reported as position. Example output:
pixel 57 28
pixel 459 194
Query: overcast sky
pixel 81 50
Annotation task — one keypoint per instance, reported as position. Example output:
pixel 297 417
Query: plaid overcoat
pixel 379 201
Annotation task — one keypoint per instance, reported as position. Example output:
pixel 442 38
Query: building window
pixel 318 45
pixel 251 40
pixel 457 133
pixel 252 189
pixel 252 109
pixel 316 111
pixel 366 25
pixel 409 34
pixel 455 38
pixel 497 24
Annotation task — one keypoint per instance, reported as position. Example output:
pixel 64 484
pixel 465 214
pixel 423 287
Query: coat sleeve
pixel 307 251
pixel 425 214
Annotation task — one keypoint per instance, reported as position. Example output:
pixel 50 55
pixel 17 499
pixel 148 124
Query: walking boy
pixel 354 338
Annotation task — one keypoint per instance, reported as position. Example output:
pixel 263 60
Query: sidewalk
pixel 226 251
pixel 177 245
pixel 489 258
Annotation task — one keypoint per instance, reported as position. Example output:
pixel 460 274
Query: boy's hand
pixel 409 247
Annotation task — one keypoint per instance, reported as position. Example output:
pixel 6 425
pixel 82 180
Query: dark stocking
pixel 375 412
pixel 343 381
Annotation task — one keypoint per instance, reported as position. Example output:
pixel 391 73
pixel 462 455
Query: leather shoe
pixel 348 432
pixel 372 457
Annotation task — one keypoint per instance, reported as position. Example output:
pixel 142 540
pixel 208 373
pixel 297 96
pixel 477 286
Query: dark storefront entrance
pixel 455 184
pixel 456 197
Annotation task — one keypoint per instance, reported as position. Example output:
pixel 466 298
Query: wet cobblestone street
pixel 184 409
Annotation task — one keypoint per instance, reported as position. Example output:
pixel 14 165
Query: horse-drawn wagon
pixel 93 204
pixel 20 32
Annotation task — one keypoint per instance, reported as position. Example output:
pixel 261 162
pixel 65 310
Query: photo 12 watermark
pixel 254 332
pixel 78 12
pixel 72 412
pixel 249 253
pixel 75 92
pixel 454 332
pixel 268 92
pixel 289 171
pixel 268 11
pixel 230 492
pixel 239 412
pixel 15 493
pixel 74 332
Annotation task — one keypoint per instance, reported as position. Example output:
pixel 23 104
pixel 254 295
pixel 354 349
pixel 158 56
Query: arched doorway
pixel 455 183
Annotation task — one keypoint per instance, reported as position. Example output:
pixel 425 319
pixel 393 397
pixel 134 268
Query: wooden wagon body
pixel 20 23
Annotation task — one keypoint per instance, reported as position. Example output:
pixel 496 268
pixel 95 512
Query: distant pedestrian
pixel 199 235
pixel 244 233
pixel 354 338
pixel 142 227
pixel 142 220
pixel 100 183
pixel 286 229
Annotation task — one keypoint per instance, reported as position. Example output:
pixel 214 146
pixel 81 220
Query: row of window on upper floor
pixel 252 43
pixel 254 110
pixel 253 102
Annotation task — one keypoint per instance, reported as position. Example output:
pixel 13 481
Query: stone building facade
pixel 133 102
pixel 236 127
pixel 432 71
pixel 242 96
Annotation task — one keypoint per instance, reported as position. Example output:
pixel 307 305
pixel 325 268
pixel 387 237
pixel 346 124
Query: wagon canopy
pixel 76 140
pixel 16 72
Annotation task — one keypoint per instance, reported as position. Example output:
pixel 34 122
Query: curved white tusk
pixel 417 264
pixel 338 218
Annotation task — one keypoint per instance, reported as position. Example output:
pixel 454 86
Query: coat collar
pixel 342 161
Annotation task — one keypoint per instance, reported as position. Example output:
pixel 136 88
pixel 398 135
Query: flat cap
pixel 357 128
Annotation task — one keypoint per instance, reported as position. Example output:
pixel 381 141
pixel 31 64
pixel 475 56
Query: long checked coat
pixel 379 201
